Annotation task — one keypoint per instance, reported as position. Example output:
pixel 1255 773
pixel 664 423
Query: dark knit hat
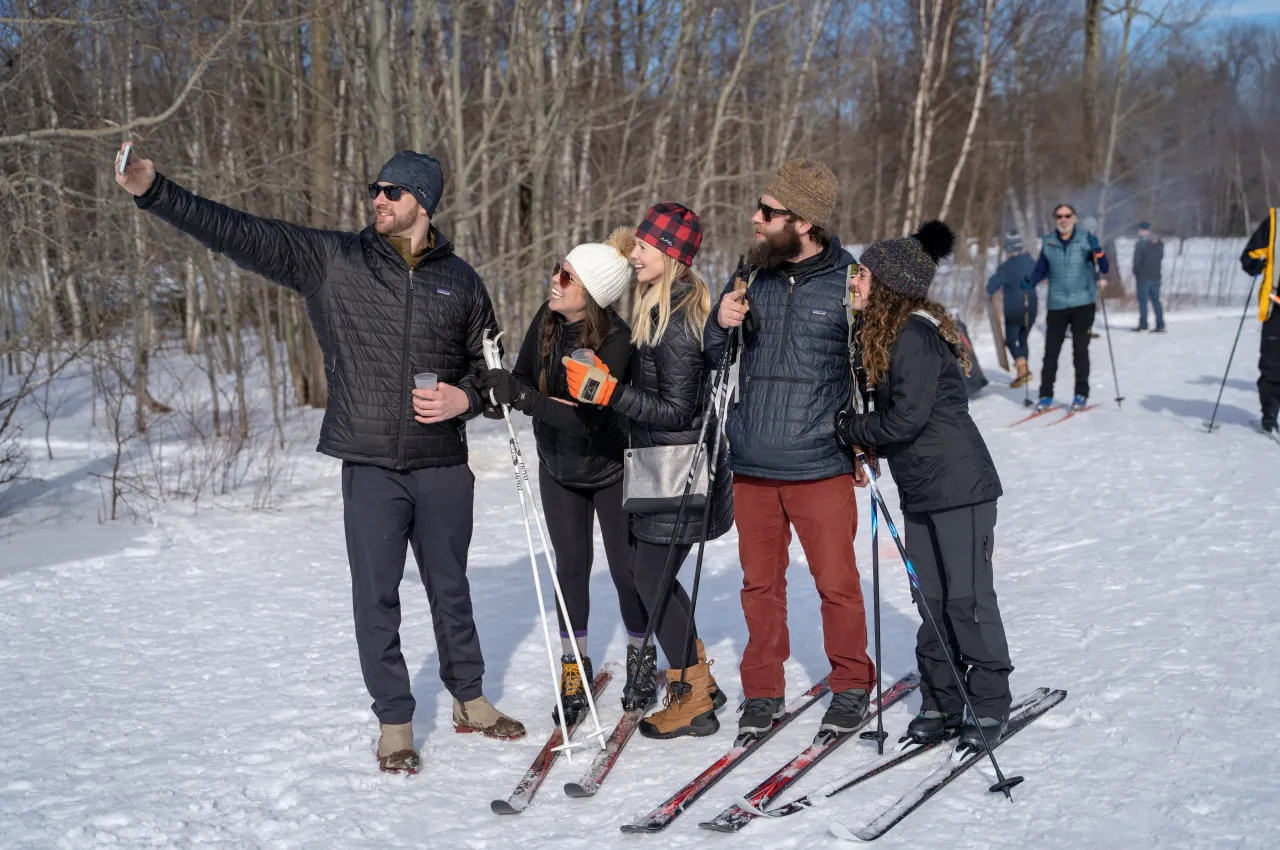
pixel 673 229
pixel 1144 225
pixel 1013 242
pixel 907 266
pixel 417 172
pixel 807 188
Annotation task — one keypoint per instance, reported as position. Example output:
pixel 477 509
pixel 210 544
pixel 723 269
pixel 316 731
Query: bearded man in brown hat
pixel 789 468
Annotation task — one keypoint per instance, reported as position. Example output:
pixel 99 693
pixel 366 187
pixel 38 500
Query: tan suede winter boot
pixel 1024 374
pixel 717 696
pixel 688 708
pixel 395 749
pixel 479 715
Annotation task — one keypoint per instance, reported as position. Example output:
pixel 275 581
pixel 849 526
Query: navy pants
pixel 430 509
pixel 1149 290
pixel 1015 337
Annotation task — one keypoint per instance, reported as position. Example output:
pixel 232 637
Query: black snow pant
pixel 951 553
pixel 637 588
pixel 1079 319
pixel 432 510
pixel 571 513
pixel 1269 366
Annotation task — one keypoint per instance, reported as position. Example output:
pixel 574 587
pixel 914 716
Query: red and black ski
pixel 1071 413
pixel 595 775
pixel 1035 415
pixel 661 817
pixel 735 817
pixel 532 779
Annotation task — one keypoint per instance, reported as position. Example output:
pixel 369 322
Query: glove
pixel 505 390
pixel 844 420
pixel 1027 284
pixel 589 384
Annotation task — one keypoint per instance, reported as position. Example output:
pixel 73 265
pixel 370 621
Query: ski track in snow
pixel 195 684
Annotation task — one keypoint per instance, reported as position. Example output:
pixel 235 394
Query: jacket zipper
pixel 404 367
pixel 786 330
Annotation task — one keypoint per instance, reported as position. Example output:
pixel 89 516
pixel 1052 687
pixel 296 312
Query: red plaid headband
pixel 673 229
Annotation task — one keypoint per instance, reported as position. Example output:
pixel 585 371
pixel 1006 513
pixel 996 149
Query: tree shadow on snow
pixel 1198 410
pixel 1232 383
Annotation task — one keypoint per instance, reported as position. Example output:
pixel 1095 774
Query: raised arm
pixel 284 253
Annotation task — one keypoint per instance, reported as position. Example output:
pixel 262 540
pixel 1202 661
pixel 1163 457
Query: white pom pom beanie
pixel 604 268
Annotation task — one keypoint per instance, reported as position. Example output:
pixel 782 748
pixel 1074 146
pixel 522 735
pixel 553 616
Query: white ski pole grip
pixel 492 358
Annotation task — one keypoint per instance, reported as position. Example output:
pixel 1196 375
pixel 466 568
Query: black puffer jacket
pixel 580 446
pixel 664 397
pixel 794 373
pixel 378 322
pixel 922 425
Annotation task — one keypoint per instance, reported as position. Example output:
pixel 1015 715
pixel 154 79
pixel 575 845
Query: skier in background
pixel 1148 255
pixel 1020 305
pixel 1070 260
pixel 1259 258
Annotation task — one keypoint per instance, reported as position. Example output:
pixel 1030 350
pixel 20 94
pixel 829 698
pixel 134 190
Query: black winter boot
pixel 931 725
pixel 758 714
pixel 640 691
pixel 847 712
pixel 992 729
pixel 572 690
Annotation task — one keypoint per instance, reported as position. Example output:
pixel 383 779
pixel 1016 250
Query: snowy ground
pixel 192 681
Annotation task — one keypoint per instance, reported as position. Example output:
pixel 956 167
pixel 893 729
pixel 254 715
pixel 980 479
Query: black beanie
pixel 419 173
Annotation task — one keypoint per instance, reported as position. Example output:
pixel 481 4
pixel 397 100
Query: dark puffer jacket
pixel 580 445
pixel 378 322
pixel 664 397
pixel 923 428
pixel 794 374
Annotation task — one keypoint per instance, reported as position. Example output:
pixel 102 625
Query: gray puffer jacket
pixel 794 374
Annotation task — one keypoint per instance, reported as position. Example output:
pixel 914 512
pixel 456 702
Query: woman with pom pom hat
pixel 948 484
pixel 579 446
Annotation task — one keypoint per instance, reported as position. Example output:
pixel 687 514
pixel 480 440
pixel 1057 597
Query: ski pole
pixel 494 361
pixel 879 735
pixel 1002 784
pixel 662 595
pixel 721 385
pixel 1212 423
pixel 1026 324
pixel 1107 327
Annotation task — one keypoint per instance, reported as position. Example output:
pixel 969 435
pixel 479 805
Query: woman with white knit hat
pixel 580 446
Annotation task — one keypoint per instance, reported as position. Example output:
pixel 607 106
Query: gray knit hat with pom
pixel 907 265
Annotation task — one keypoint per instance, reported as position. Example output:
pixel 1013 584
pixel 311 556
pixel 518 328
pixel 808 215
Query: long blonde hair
pixel 696 304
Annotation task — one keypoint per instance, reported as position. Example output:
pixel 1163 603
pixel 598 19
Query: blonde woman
pixel 662 400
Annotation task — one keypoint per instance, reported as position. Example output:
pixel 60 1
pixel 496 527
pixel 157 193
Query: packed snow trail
pixel 195 682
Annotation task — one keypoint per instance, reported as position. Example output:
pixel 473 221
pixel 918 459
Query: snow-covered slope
pixel 193 682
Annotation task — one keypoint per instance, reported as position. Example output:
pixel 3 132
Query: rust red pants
pixel 825 516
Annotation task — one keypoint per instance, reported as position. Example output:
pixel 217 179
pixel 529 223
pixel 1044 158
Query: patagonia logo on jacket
pixel 444 291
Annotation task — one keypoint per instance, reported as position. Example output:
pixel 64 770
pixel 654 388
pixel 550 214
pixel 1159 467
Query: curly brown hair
pixel 883 319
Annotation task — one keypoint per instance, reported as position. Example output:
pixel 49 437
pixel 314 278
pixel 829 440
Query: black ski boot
pixel 848 711
pixel 640 691
pixel 1269 424
pixel 992 729
pixel 572 691
pixel 931 725
pixel 758 714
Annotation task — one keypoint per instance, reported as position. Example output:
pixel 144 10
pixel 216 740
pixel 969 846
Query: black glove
pixel 844 419
pixel 506 389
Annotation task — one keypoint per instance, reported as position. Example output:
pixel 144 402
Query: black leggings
pixel 636 591
pixel 570 514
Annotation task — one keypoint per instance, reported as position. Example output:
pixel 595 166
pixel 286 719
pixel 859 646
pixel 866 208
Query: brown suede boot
pixel 395 749
pixel 1024 374
pixel 718 699
pixel 688 708
pixel 479 715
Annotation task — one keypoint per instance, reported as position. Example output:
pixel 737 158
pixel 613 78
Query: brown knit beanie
pixel 807 188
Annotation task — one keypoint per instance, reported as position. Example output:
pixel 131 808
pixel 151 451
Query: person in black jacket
pixel 1148 256
pixel 579 446
pixel 789 468
pixel 1259 259
pixel 662 399
pixel 386 303
pixel 947 481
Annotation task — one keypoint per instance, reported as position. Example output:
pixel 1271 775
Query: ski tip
pixel 839 830
pixel 638 828
pixel 504 807
pixel 715 826
pixel 577 790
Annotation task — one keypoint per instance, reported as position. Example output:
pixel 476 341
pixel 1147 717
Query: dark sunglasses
pixel 393 193
pixel 561 275
pixel 1068 215
pixel 767 212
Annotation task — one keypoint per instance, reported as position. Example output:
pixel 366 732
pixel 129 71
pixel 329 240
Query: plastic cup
pixel 425 380
pixel 585 356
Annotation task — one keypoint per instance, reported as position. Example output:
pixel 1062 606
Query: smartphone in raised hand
pixel 122 158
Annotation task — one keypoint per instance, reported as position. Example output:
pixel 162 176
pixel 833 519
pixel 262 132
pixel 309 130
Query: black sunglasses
pixel 393 193
pixel 1066 215
pixel 767 212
